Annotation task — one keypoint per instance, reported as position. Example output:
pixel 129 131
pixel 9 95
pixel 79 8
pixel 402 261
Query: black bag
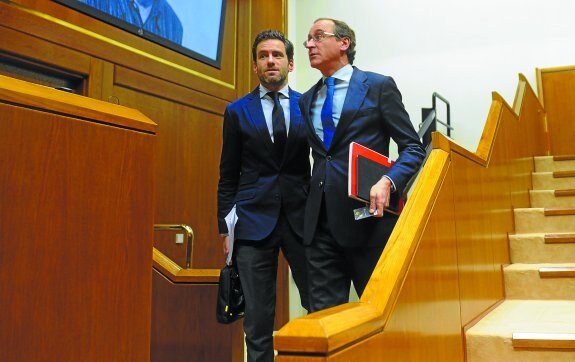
pixel 230 304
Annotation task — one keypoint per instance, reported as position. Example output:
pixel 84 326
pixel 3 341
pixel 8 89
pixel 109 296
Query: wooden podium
pixel 76 227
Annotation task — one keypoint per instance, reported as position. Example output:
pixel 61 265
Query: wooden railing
pixel 441 268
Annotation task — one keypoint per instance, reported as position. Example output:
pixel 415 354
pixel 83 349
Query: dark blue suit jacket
pixel 251 178
pixel 372 114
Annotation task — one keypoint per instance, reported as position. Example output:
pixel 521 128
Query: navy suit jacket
pixel 252 179
pixel 372 114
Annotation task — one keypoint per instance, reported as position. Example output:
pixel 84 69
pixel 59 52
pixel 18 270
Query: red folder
pixel 366 167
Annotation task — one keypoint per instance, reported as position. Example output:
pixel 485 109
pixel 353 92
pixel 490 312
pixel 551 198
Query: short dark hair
pixel 342 30
pixel 272 34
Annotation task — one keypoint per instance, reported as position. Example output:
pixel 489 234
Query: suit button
pixel 328 158
pixel 320 184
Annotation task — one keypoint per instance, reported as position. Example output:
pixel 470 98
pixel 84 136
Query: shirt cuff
pixel 392 183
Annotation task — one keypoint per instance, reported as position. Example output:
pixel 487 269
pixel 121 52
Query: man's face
pixel 324 54
pixel 272 65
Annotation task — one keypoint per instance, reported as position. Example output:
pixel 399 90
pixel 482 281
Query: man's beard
pixel 278 80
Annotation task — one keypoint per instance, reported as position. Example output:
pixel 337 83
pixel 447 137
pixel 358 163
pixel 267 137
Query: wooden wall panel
pixel 558 95
pixel 189 143
pixel 183 329
pixel 427 319
pixel 75 281
pixel 476 277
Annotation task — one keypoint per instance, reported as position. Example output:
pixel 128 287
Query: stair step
pixel 554 163
pixel 540 281
pixel 493 334
pixel 540 220
pixel 544 340
pixel 542 248
pixel 552 198
pixel 548 181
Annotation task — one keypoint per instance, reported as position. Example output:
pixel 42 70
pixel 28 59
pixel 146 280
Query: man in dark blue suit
pixel 265 172
pixel 366 108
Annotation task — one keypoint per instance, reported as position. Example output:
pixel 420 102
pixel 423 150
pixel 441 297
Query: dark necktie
pixel 279 126
pixel 326 113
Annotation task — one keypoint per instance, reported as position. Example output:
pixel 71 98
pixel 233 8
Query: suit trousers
pixel 257 263
pixel 332 267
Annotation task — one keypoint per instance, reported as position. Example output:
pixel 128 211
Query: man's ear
pixel 345 43
pixel 291 65
pixel 255 67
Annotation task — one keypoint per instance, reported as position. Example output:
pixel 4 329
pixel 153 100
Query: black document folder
pixel 366 168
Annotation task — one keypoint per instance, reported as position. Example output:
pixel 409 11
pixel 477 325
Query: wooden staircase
pixel 536 321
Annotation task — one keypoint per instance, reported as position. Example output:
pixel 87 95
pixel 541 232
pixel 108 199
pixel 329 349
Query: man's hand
pixel 226 244
pixel 379 197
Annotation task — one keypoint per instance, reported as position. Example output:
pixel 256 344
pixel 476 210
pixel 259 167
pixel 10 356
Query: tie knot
pixel 330 81
pixel 275 96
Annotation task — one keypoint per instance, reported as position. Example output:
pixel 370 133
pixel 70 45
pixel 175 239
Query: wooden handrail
pixel 177 274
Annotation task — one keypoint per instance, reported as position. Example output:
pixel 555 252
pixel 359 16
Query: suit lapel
pixel 295 123
pixel 356 94
pixel 257 118
pixel 306 110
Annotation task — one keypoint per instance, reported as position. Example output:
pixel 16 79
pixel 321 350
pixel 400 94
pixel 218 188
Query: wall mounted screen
pixel 190 27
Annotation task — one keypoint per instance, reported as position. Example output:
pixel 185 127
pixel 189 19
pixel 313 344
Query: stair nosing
pixel 558 211
pixel 558 238
pixel 557 272
pixel 543 340
pixel 563 174
pixel 564 193
pixel 564 158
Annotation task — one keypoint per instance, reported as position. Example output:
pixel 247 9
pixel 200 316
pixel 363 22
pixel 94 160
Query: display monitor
pixel 193 28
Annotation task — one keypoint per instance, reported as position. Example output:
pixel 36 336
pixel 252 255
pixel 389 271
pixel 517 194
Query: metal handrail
pixel 190 236
pixel 425 129
pixel 433 105
pixel 429 123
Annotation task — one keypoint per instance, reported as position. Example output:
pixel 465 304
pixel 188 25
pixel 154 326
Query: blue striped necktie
pixel 326 113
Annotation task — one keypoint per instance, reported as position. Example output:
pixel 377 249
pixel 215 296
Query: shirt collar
pixel 284 91
pixel 344 73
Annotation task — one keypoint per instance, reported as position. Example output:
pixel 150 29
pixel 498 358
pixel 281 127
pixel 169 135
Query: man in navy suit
pixel 265 172
pixel 365 108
